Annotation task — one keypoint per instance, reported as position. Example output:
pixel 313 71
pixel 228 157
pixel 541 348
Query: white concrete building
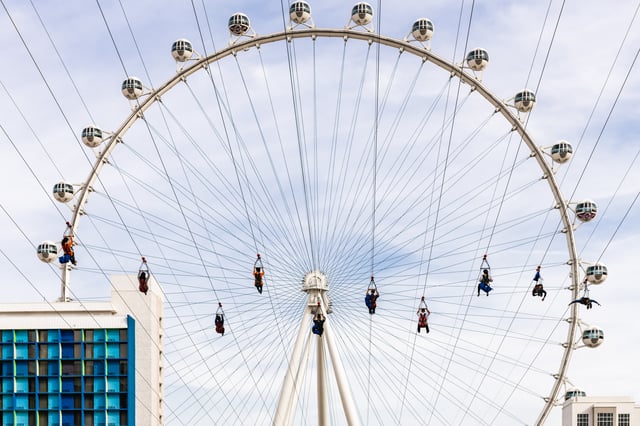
pixel 90 363
pixel 581 410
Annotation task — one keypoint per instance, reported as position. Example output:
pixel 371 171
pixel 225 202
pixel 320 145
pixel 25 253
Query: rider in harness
pixel 67 246
pixel 219 321
pixel 143 277
pixel 423 313
pixel 371 296
pixel 538 288
pixel 258 273
pixel 318 324
pixel 485 278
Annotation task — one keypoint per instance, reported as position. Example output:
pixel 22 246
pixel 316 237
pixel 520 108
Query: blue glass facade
pixel 65 377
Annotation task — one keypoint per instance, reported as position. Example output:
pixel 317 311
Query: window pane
pixel 7 351
pixel 42 350
pixel 43 418
pixel 88 350
pixel 113 350
pixel 21 351
pixel 53 351
pixel 53 336
pixel 21 336
pixel 582 420
pixel 67 350
pixel 113 335
pixel 605 419
pixel 624 419
pixel 98 350
pixel 43 401
pixel 88 385
pixel 66 335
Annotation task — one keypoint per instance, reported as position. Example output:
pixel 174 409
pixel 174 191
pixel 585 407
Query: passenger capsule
pixel 239 24
pixel 477 59
pixel 362 14
pixel 47 251
pixel 63 192
pixel 422 29
pixel 132 88
pixel 597 274
pixel 182 50
pixel 573 393
pixel 525 100
pixel 592 337
pixel 300 12
pixel 586 210
pixel 92 136
pixel 561 152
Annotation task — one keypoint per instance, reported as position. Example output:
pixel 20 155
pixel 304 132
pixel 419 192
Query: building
pixel 581 410
pixel 83 363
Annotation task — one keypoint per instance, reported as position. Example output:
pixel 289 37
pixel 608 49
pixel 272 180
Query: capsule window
pixel 239 20
pixel 182 45
pixel 362 8
pixel 132 84
pixel 300 7
pixel 422 24
pixel 525 96
pixel 62 187
pixel 91 132
pixel 477 54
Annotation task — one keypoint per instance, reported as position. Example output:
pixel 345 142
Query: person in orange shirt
pixel 67 248
pixel 258 273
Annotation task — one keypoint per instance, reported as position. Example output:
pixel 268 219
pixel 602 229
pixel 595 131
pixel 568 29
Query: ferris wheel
pixel 273 186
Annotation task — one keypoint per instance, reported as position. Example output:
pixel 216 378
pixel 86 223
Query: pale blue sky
pixel 41 116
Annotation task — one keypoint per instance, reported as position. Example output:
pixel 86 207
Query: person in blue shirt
pixel 484 282
pixel 318 324
pixel 370 299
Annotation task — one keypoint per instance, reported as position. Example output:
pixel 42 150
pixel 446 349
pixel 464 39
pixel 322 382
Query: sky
pixel 63 66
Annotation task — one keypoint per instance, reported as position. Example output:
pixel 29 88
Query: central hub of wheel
pixel 316 285
pixel 315 280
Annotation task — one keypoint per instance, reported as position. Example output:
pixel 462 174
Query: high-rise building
pixel 83 363
pixel 581 410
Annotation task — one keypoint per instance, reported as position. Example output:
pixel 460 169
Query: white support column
pixel 64 285
pixel 301 373
pixel 286 396
pixel 323 402
pixel 343 385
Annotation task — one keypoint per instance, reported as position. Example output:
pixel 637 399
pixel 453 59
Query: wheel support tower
pixel 315 285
